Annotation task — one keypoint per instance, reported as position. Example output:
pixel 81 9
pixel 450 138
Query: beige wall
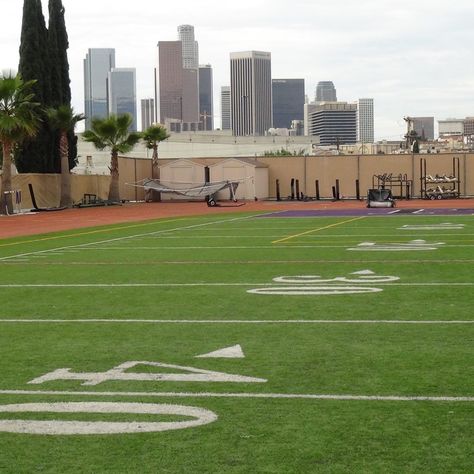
pixel 47 188
pixel 347 169
pixel 326 169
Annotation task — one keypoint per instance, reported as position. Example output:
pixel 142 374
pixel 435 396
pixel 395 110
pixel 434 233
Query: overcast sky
pixel 413 57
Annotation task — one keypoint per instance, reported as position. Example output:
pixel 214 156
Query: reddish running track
pixel 53 221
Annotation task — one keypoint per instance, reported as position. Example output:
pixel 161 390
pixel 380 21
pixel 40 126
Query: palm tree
pixel 18 120
pixel 64 119
pixel 152 136
pixel 113 132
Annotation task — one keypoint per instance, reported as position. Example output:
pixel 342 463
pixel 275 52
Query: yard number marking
pixel 443 226
pixel 200 417
pixel 416 245
pixel 184 374
pixel 315 285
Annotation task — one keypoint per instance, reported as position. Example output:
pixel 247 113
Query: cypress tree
pixel 58 46
pixel 59 72
pixel 34 156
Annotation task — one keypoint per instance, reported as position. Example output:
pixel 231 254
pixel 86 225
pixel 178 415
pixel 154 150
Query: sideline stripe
pixel 82 246
pixel 235 321
pixel 98 231
pixel 318 229
pixel 301 396
pixel 216 284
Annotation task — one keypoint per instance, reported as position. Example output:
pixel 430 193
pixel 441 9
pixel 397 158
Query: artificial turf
pixel 168 291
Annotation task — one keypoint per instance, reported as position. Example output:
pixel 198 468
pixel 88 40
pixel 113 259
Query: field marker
pixel 294 396
pixel 232 352
pixel 317 230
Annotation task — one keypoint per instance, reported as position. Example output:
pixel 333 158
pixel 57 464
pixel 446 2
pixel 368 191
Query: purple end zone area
pixel 369 212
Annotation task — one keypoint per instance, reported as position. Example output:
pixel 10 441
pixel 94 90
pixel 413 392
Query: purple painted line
pixel 368 212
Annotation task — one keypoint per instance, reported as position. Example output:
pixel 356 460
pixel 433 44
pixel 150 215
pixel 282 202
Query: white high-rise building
pixel 225 108
pixel 251 92
pixel 148 112
pixel 190 47
pixel 365 121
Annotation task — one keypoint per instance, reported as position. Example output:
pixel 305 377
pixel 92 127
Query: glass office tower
pixel 206 106
pixel 122 93
pixel 288 101
pixel 97 64
pixel 326 92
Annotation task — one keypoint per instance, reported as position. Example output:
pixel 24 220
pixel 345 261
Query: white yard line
pixel 300 396
pixel 228 247
pixel 236 262
pixel 117 239
pixel 201 284
pixel 236 321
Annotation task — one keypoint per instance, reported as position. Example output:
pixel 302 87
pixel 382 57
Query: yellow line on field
pixel 78 234
pixel 317 230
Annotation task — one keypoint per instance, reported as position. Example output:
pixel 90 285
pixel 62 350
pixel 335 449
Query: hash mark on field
pixel 300 396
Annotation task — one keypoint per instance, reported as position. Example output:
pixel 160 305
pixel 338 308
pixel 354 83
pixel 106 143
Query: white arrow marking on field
pixel 232 352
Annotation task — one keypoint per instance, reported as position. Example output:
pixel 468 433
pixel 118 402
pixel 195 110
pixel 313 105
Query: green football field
pixel 240 343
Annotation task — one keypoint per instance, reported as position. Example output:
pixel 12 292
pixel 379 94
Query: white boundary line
pixel 234 321
pixel 309 396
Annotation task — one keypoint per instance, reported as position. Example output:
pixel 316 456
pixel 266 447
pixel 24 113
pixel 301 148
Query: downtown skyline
pixel 412 59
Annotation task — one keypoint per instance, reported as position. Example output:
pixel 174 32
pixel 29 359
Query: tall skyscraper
pixel 365 122
pixel 206 106
pixel 177 79
pixel 225 108
pixel 251 92
pixel 148 112
pixel 97 64
pixel 190 46
pixel 334 122
pixel 288 101
pixel 122 93
pixel 325 92
pixel 169 81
